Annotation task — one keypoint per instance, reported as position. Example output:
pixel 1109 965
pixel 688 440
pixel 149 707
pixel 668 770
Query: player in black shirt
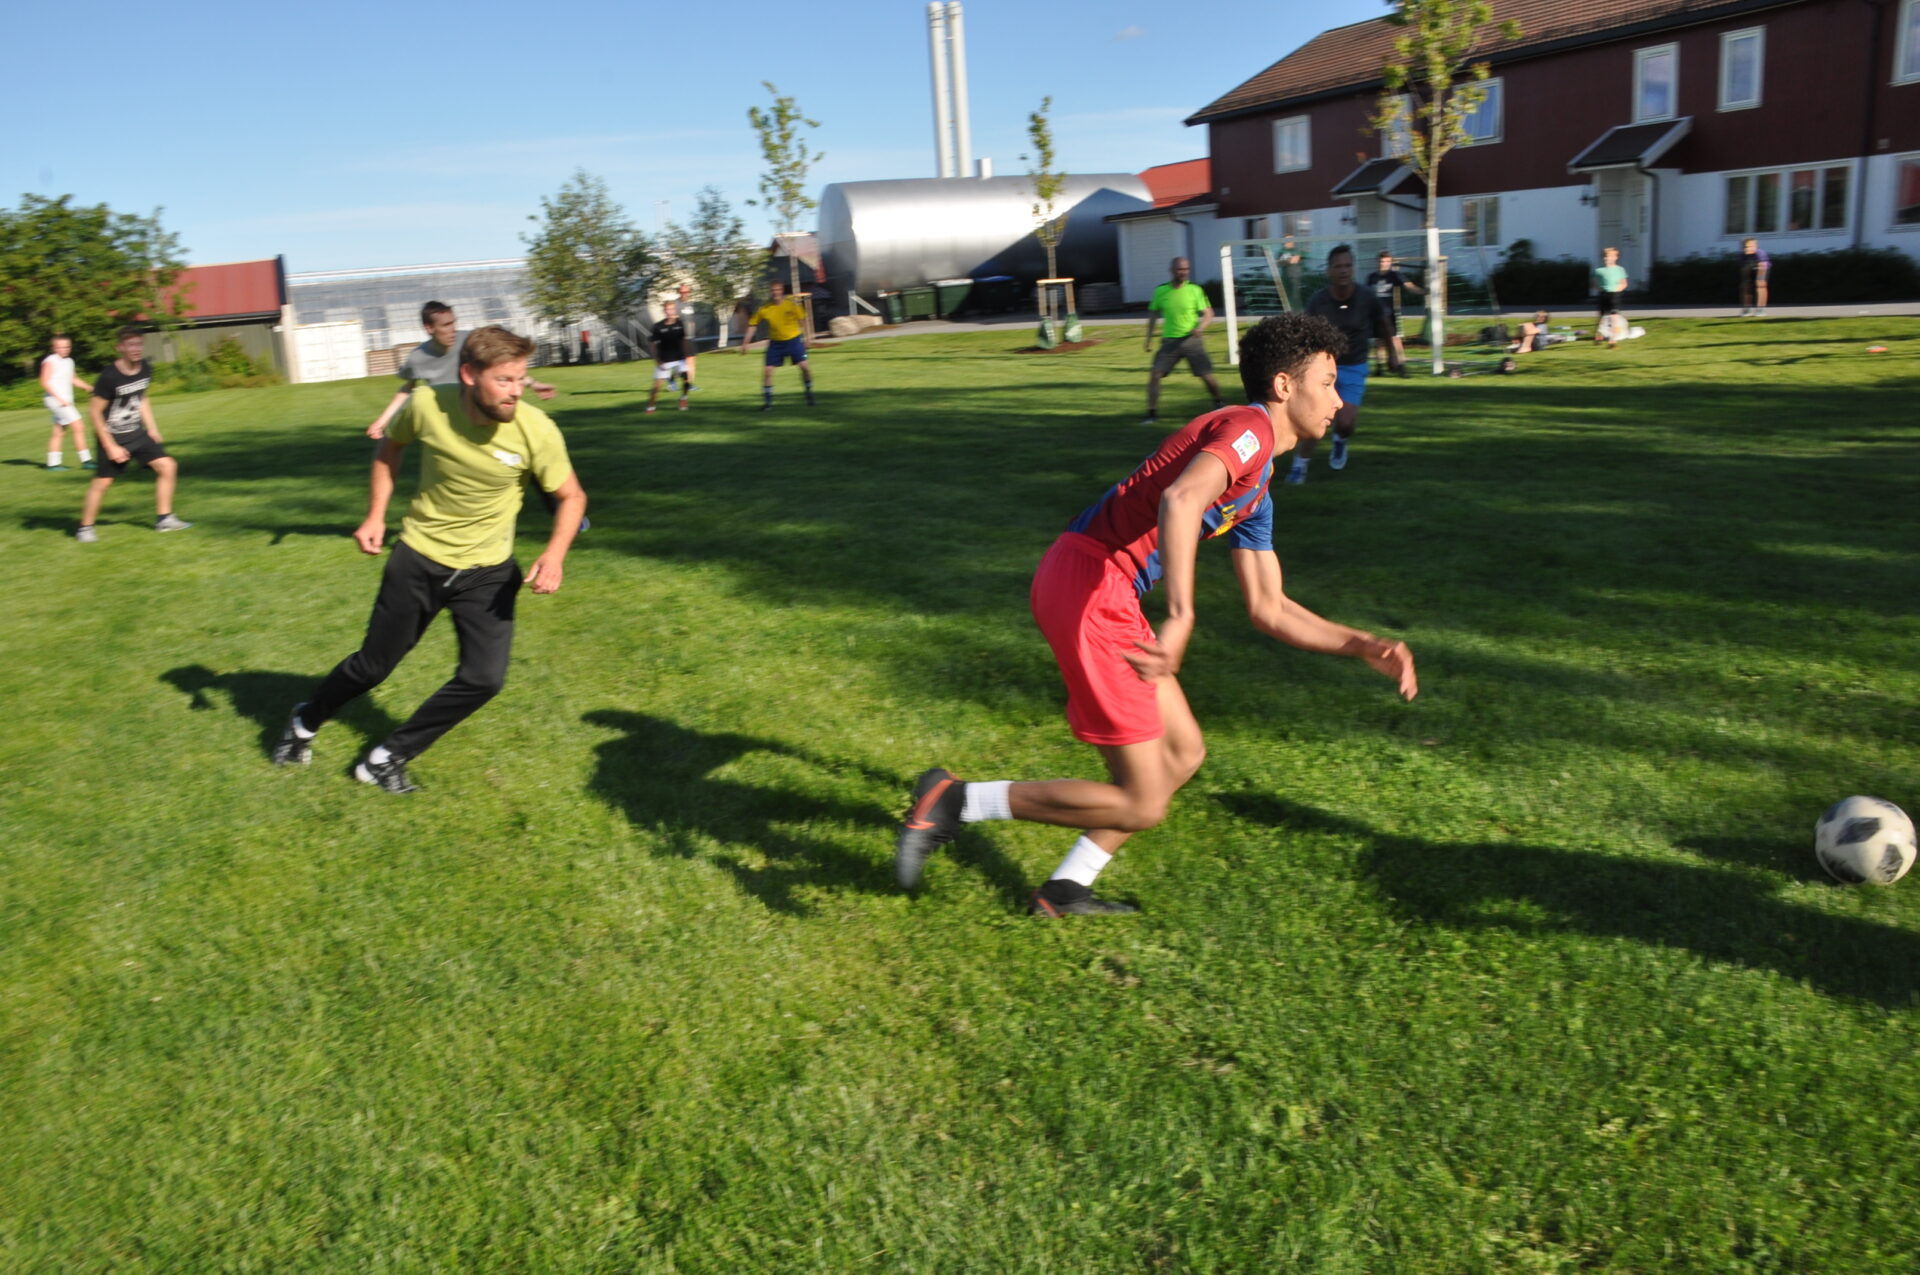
pixel 669 338
pixel 1361 319
pixel 123 420
pixel 1385 283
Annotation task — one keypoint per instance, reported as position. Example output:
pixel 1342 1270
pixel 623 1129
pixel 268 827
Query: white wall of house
pixel 1551 217
pixel 1146 246
pixel 1880 231
pixel 1693 209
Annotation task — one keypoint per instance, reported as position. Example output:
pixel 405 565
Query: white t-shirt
pixel 61 382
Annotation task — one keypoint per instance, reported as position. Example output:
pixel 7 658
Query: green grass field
pixel 1534 974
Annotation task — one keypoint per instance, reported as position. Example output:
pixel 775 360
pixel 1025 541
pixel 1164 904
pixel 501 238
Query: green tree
pixel 713 251
pixel 1047 183
pixel 1432 84
pixel 82 270
pixel 587 259
pixel 783 186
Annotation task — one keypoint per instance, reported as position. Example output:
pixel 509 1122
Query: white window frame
pixel 1485 204
pixel 1497 92
pixel 1640 59
pixel 1727 40
pixel 1784 194
pixel 1397 142
pixel 1898 227
pixel 1305 123
pixel 1906 46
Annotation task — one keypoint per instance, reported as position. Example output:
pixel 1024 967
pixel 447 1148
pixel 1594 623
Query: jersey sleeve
pixel 1153 306
pixel 547 454
pixel 1255 531
pixel 1237 445
pixel 405 428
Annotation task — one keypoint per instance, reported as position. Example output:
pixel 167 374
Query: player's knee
pixel 487 679
pixel 1144 812
pixel 165 466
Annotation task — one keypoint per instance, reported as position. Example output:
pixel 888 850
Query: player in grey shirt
pixel 435 361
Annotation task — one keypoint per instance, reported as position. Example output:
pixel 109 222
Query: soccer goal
pixel 1275 276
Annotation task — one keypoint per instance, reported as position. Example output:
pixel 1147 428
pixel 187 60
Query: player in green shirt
pixel 455 551
pixel 1181 306
pixel 1609 281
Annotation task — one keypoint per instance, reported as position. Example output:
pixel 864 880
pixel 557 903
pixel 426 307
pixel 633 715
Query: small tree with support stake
pixel 1431 89
pixel 783 187
pixel 1049 225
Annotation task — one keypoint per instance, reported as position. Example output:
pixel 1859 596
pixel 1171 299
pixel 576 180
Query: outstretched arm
pixel 1280 617
pixel 379 427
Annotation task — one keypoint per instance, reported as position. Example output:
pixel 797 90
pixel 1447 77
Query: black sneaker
pixel 766 405
pixel 390 775
pixel 1073 900
pixel 810 398
pixel 930 824
pixel 293 750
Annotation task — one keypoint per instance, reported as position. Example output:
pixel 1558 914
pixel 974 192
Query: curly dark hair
pixel 1283 343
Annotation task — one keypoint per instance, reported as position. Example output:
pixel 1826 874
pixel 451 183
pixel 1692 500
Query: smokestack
pixel 983 168
pixel 957 75
pixel 937 54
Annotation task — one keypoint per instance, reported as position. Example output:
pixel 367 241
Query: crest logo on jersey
pixel 1245 446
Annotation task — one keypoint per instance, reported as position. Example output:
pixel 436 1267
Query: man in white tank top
pixel 56 386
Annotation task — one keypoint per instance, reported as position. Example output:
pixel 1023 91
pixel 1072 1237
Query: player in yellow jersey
pixel 786 321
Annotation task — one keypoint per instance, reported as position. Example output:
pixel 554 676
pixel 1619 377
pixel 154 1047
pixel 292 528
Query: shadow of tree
pixel 266 699
pixel 1725 915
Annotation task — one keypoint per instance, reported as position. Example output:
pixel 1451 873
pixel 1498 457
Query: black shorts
pixel 141 450
pixel 1607 303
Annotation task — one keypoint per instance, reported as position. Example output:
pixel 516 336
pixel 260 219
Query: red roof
pixel 1350 57
pixel 1171 184
pixel 233 290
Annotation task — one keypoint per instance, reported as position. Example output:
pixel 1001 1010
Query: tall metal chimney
pixel 952 122
pixel 942 119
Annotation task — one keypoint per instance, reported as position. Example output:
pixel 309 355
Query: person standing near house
pixel 1609 281
pixel 1181 305
pixel 1754 264
pixel 1386 284
pixel 1361 320
pixel 56 391
pixel 123 420
pixel 786 321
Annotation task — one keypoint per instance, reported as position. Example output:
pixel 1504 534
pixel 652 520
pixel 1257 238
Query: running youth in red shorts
pixel 1205 481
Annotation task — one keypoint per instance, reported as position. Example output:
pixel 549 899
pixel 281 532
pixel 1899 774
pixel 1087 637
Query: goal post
pixel 1259 277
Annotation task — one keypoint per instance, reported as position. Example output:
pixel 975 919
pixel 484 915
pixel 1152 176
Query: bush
pixel 1524 281
pixel 1838 276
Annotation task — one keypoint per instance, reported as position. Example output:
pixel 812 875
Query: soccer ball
pixel 1864 839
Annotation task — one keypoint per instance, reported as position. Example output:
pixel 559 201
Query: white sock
pixel 85 455
pixel 379 755
pixel 1083 863
pixel 985 801
pixel 53 458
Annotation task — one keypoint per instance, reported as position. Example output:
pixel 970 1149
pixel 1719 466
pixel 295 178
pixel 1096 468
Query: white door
pixel 1624 220
pixel 1147 247
pixel 1369 215
pixel 331 351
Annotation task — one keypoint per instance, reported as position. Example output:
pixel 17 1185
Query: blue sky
pixel 354 134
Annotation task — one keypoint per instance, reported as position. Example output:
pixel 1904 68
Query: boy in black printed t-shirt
pixel 123 421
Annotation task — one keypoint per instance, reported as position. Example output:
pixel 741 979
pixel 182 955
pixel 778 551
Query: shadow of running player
pixel 1729 915
pixel 267 698
pixel 661 776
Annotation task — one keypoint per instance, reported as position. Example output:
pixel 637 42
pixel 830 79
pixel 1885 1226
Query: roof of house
pixel 1171 184
pixel 1350 57
pixel 1631 145
pixel 1375 177
pixel 233 290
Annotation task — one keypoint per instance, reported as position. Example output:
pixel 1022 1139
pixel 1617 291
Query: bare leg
pixel 1145 777
pixel 96 492
pixel 653 393
pixel 1213 386
pixel 1760 293
pixel 166 473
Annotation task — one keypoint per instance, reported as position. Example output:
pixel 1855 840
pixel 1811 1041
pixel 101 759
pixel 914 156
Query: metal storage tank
pixel 884 235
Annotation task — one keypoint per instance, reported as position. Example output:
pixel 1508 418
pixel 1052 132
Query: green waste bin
pixel 892 308
pixel 918 303
pixel 953 296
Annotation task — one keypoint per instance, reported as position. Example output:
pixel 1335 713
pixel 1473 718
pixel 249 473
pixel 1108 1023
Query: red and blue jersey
pixel 1127 519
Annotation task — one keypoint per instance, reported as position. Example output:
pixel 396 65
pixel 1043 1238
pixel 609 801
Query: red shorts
pixel 1085 604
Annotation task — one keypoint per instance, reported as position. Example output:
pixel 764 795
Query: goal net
pixel 1275 276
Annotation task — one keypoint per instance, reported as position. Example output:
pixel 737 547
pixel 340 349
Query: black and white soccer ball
pixel 1864 839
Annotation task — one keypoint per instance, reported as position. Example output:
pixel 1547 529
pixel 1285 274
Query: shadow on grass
pixel 1727 916
pixel 327 530
pixel 267 698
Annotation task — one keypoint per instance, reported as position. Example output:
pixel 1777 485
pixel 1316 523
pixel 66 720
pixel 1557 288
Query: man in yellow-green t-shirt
pixel 455 551
pixel 786 321
pixel 1180 305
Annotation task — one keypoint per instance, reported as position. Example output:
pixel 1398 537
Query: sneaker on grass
pixel 389 775
pixel 86 535
pixel 293 748
pixel 1053 902
pixel 1339 458
pixel 931 822
pixel 1296 475
pixel 170 522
